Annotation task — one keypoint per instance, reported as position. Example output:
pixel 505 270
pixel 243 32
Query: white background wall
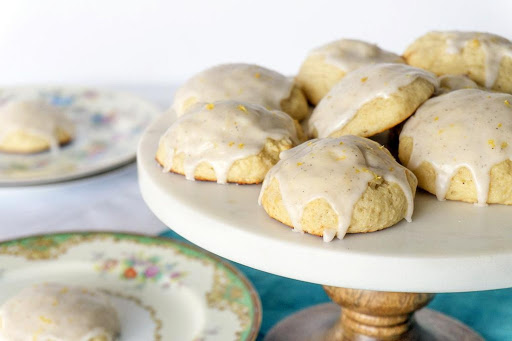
pixel 157 41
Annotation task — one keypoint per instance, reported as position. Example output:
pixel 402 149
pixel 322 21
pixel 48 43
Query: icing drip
pixel 349 54
pixel 337 170
pixel 241 82
pixel 36 118
pixel 494 47
pixel 449 83
pixel 59 313
pixel 221 133
pixel 464 128
pixel 359 87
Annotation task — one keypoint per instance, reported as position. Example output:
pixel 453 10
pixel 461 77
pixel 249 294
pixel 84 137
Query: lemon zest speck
pixel 231 144
pixel 364 79
pixel 300 163
pixel 210 106
pixel 35 336
pixel 257 75
pixel 45 319
pixel 491 143
pixel 504 145
pixel 507 103
pixel 242 108
pixel 241 145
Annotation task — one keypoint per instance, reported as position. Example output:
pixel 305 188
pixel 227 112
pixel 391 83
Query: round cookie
pixel 242 82
pixel 56 312
pixel 227 141
pixel 33 126
pixel 371 99
pixel 327 64
pixel 448 83
pixel 485 58
pixel 332 186
pixel 459 145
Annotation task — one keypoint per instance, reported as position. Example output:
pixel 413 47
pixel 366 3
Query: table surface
pixel 112 201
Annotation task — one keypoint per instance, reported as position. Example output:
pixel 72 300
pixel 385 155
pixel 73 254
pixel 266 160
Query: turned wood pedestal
pixel 371 316
pixel 375 315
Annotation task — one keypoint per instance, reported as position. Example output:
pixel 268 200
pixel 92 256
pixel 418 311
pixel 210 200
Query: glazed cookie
pixel 459 145
pixel 448 83
pixel 371 99
pixel 486 58
pixel 245 83
pixel 332 186
pixel 57 312
pixel 326 65
pixel 33 126
pixel 227 141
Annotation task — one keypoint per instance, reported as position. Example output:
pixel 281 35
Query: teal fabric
pixel 487 312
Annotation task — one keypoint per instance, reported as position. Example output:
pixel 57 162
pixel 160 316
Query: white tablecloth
pixel 110 201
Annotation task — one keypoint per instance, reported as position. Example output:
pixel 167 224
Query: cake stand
pixel 380 279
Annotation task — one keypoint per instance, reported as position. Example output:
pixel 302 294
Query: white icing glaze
pixel 464 128
pixel 223 132
pixel 34 117
pixel 494 47
pixel 359 87
pixel 59 313
pixel 350 54
pixel 449 83
pixel 337 170
pixel 241 82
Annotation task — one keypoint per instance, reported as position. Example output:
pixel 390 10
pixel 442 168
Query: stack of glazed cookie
pixel 446 100
pixel 234 121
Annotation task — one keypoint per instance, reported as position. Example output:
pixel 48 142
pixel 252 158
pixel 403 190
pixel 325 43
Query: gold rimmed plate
pixel 108 126
pixel 163 289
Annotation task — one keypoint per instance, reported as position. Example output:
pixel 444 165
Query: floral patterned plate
pixel 162 289
pixel 108 127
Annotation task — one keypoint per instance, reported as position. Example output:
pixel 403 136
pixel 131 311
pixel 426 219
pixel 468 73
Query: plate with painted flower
pixel 108 125
pixel 162 289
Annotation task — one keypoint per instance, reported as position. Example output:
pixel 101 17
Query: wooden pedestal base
pixel 371 316
pixel 374 315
